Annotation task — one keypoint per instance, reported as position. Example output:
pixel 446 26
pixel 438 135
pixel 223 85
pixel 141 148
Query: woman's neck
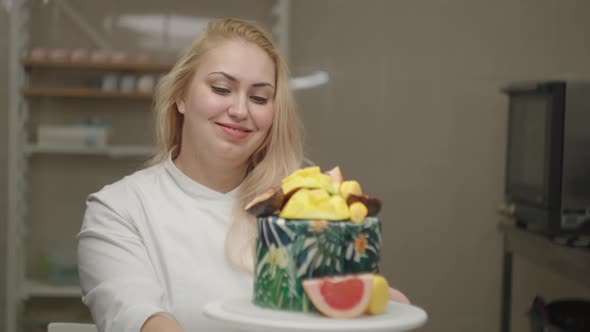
pixel 214 174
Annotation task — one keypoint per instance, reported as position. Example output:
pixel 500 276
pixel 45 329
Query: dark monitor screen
pixel 527 145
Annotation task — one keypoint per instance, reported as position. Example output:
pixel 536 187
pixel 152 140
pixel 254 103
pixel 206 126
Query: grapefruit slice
pixel 340 296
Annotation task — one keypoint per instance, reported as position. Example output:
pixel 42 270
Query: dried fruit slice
pixel 315 204
pixel 341 296
pixel 373 204
pixel 267 203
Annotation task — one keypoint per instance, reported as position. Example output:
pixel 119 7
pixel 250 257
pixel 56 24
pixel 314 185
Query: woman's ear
pixel 180 106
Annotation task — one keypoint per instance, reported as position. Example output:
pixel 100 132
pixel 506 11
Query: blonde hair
pixel 280 153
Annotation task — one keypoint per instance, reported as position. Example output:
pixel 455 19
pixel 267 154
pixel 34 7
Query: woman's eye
pixel 259 100
pixel 221 91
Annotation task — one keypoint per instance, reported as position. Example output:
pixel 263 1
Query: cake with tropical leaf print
pixel 315 226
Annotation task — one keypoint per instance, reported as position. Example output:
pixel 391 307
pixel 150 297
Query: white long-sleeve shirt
pixel 154 242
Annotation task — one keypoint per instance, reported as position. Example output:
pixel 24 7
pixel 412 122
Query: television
pixel 547 178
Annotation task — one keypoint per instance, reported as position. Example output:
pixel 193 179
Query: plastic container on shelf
pixel 100 56
pixel 79 54
pixel 59 54
pixel 128 83
pixel 119 57
pixel 61 267
pixel 109 82
pixel 91 134
pixel 142 58
pixel 146 83
pixel 38 54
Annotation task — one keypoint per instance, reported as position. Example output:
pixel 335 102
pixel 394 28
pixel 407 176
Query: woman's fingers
pixel 398 296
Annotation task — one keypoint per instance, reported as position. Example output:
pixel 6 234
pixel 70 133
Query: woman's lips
pixel 235 130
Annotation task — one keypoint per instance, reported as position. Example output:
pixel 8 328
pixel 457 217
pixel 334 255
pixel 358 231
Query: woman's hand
pixel 160 323
pixel 397 296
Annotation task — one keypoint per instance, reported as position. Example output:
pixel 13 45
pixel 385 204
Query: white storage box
pixel 73 136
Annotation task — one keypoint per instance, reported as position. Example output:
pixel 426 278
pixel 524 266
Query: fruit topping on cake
pixel 318 246
pixel 267 203
pixel 310 194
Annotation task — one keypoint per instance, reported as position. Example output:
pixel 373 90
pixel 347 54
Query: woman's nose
pixel 238 110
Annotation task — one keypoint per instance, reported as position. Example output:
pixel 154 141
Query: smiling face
pixel 228 106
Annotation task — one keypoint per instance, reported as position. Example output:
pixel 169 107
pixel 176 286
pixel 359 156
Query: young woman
pixel 158 245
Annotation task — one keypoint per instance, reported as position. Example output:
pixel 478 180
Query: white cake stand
pixel 241 313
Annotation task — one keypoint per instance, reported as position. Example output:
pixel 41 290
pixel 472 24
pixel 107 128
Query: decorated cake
pixel 318 246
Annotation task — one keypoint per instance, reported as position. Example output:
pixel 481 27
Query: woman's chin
pixel 233 154
pixel 232 151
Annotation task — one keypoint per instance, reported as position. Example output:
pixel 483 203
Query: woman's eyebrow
pixel 263 84
pixel 233 79
pixel 228 76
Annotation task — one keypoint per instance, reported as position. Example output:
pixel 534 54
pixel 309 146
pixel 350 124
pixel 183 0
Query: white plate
pixel 242 313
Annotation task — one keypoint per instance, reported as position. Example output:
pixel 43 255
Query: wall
pixel 413 110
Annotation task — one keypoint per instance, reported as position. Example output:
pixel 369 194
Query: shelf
pixel 573 263
pixel 102 66
pixel 34 288
pixel 111 151
pixel 84 93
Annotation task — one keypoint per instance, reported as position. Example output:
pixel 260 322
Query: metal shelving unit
pixel 17 168
pixel 18 287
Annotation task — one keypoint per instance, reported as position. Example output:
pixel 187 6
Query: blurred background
pixel 404 96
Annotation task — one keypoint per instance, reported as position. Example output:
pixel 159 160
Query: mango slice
pixel 310 179
pixel 304 172
pixel 379 297
pixel 358 212
pixel 350 187
pixel 315 204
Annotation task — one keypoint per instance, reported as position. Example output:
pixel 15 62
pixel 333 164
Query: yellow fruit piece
pixel 358 212
pixel 340 208
pixel 350 187
pixel 304 172
pixel 315 204
pixel 309 180
pixel 379 296
pixel 317 195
